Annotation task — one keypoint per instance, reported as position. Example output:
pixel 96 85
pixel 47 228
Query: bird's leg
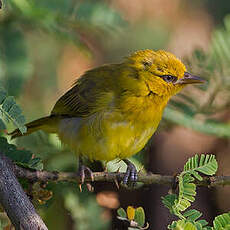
pixel 82 171
pixel 131 173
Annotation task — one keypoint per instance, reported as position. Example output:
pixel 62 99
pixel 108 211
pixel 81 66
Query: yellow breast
pixel 112 134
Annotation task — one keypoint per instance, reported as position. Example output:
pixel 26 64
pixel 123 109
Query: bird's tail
pixel 47 124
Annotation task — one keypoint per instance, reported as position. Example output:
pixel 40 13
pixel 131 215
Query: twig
pixel 150 178
pixel 14 200
pixel 22 213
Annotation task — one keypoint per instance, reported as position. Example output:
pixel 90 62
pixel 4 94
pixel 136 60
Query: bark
pixel 14 200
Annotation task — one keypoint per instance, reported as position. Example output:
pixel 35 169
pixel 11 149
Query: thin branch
pixel 150 178
pixel 14 200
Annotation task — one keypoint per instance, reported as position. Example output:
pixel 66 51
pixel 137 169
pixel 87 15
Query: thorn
pixel 90 187
pixel 116 183
pixel 92 177
pixel 80 188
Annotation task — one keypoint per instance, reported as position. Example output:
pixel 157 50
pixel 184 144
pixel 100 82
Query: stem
pixel 147 179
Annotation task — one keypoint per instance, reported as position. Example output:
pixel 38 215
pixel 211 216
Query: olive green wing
pixel 74 102
pixel 91 93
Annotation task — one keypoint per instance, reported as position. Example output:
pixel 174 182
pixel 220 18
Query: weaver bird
pixel 113 110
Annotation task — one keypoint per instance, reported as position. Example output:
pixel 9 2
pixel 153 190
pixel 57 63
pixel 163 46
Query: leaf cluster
pixel 20 156
pixel 179 203
pixel 135 217
pixel 10 112
pixel 199 110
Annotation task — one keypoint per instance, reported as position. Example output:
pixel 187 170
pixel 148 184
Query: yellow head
pixel 163 73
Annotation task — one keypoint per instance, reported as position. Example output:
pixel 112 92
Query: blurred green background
pixel 45 45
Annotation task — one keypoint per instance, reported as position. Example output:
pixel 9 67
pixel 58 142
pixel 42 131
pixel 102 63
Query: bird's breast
pixel 110 134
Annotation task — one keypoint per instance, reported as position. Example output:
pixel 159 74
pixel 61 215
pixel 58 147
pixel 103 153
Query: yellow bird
pixel 113 110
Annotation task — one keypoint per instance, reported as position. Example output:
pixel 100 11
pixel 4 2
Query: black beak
pixel 190 79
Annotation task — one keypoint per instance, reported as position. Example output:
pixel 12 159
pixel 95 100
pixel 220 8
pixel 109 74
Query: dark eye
pixel 147 63
pixel 169 78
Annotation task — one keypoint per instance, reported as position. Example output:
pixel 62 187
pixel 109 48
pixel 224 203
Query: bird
pixel 112 111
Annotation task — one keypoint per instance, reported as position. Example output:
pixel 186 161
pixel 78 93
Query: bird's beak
pixel 189 79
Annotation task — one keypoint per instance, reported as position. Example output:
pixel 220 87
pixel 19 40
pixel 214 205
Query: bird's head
pixel 163 73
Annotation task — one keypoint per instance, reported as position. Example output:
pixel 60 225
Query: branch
pixel 14 200
pixel 150 178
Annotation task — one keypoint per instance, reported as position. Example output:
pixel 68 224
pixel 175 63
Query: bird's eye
pixel 169 78
pixel 147 63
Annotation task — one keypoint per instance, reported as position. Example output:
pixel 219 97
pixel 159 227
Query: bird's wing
pixel 91 93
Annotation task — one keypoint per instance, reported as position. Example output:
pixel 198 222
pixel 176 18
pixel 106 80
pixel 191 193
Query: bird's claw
pixel 130 174
pixel 83 171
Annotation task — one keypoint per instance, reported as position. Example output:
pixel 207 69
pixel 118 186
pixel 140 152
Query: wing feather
pixel 89 94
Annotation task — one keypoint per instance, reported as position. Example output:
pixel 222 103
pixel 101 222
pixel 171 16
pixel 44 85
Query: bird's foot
pixel 84 171
pixel 130 174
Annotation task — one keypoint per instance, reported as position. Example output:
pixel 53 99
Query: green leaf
pixel 203 223
pixel 182 204
pixel 192 214
pixel 10 111
pixel 22 157
pixel 35 163
pixel 140 216
pixel 169 200
pixel 197 175
pixel 3 95
pixel 114 165
pixel 222 222
pixel 207 165
pixel 2 125
pixel 173 225
pixel 122 213
pixel 183 225
pixel 8 103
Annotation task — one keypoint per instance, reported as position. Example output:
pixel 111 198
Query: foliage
pixel 34 35
pixel 10 112
pixel 197 110
pixel 134 216
pixel 84 214
pixel 222 222
pixel 4 221
pixel 21 157
pixel 178 204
